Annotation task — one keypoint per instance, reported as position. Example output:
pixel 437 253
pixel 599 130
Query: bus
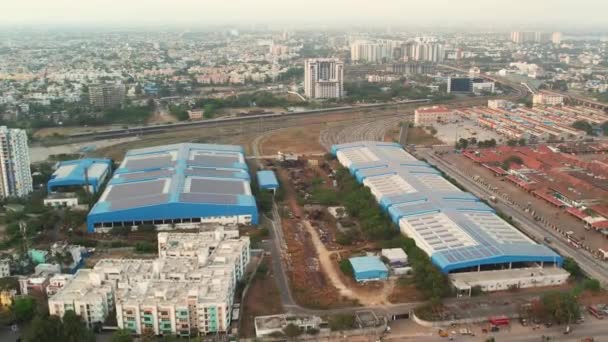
pixel 595 312
pixel 573 240
pixel 499 320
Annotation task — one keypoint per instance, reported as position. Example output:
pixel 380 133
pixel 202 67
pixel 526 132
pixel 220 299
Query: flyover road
pixel 591 266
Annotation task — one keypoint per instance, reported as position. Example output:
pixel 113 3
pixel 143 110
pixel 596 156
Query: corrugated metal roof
pixel 267 179
pixel 367 263
pixel 454 227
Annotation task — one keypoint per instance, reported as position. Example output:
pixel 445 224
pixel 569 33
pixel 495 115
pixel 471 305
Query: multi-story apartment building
pixel 188 290
pixel 323 78
pixel 15 173
pixel 87 295
pixel 106 95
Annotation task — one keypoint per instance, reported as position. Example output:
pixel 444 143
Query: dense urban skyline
pixel 587 14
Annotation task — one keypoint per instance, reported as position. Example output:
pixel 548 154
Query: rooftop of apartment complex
pixel 209 274
pixel 453 227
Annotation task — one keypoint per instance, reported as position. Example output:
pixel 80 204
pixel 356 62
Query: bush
pixel 341 322
pixel 572 267
pixel 145 247
pixel 346 267
pixel 592 285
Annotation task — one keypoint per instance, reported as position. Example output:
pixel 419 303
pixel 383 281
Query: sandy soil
pixel 300 140
pixel 161 117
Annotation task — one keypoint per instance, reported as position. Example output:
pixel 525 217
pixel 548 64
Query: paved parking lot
pixel 452 132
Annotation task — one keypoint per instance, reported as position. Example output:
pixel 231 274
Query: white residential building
pixel 87 295
pixel 190 287
pixel 323 78
pixel 15 174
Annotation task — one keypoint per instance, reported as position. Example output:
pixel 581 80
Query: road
pixel 589 264
pixel 516 333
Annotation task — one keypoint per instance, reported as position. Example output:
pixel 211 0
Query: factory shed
pixel 366 268
pixel 454 228
pixel 177 186
pixel 80 173
pixel 395 256
pixel 267 180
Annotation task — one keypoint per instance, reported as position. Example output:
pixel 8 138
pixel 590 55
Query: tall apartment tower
pixel 106 95
pixel 323 78
pixel 15 173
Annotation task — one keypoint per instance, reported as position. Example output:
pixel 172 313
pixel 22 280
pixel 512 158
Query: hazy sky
pixel 572 13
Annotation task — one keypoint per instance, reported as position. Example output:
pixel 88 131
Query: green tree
pixel 292 331
pixel 121 335
pixel 75 329
pixel 512 142
pixel 572 267
pixel 209 111
pixel 24 308
pixel 561 307
pixel 44 329
pixel 583 125
pixel 346 267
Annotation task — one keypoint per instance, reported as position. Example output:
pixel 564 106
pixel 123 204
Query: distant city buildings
pixel 411 68
pixel 323 78
pixel 521 37
pixel 15 173
pixel 106 95
pixel 381 51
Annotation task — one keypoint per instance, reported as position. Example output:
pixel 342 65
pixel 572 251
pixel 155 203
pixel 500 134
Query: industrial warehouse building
pixel 461 234
pixel 367 268
pixel 181 185
pixel 267 180
pixel 91 173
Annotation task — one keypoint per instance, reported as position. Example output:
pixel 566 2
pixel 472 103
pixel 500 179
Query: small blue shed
pixel 368 268
pixel 267 180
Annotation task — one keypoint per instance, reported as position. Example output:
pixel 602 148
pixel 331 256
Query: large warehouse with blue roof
pixel 460 233
pixel 181 185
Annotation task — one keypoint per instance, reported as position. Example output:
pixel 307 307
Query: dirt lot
pixel 551 214
pixel 300 140
pixel 310 232
pixel 262 299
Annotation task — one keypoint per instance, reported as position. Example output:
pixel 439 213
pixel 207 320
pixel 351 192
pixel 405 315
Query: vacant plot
pixel 300 140
pixel 262 298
